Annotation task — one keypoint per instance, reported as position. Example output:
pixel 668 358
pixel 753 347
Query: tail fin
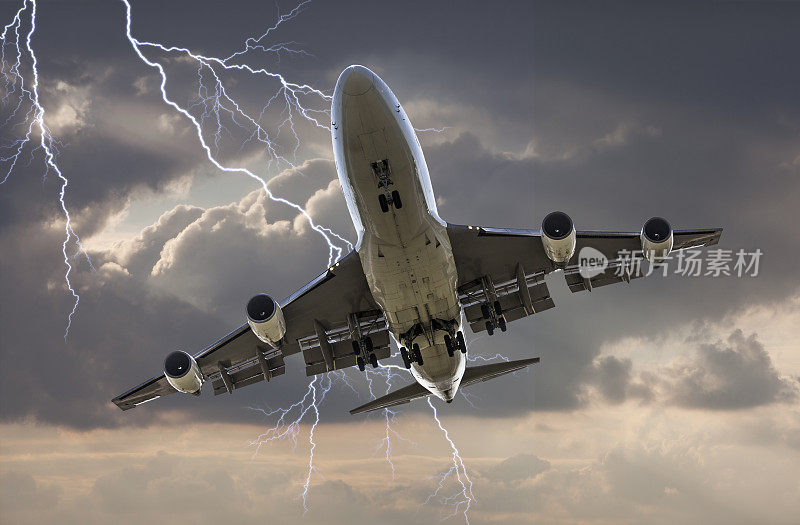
pixel 472 375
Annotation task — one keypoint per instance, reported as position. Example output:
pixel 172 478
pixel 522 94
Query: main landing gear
pixel 414 356
pixel 457 344
pixel 368 352
pixel 393 200
pixel 388 197
pixel 497 320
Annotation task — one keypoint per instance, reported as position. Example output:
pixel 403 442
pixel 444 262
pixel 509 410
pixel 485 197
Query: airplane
pixel 411 275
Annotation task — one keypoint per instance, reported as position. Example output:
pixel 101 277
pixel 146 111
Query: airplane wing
pixel 316 316
pixel 509 265
pixel 472 375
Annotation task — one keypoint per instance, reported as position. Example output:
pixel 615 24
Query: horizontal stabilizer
pixel 472 375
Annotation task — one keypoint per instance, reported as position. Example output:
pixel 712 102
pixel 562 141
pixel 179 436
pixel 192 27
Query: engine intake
pixel 558 237
pixel 657 239
pixel 183 373
pixel 265 318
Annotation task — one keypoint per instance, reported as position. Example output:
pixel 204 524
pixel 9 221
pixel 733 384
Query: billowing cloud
pixel 736 373
pixel 621 420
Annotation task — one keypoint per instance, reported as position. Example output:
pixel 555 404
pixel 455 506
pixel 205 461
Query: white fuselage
pixel 405 251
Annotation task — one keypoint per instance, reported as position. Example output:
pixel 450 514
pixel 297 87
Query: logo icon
pixel 591 262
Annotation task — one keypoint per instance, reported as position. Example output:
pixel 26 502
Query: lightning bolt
pixel 216 103
pixel 211 114
pixel 288 424
pixel 20 97
pixel 388 372
pixel 463 497
pixel 216 106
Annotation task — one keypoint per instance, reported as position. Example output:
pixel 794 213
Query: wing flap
pixel 248 373
pixel 513 295
pixel 319 367
pixel 326 299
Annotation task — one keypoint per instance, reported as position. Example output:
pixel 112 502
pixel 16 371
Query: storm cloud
pixel 612 112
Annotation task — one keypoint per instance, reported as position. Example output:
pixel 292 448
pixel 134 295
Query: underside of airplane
pixel 412 277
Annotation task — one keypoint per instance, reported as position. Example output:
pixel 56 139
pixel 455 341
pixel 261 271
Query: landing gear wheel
pixel 489 328
pixel 406 359
pixel 417 354
pixel 356 348
pixel 368 344
pixel 396 200
pixel 383 202
pixel 460 342
pixel 498 309
pixel 373 360
pixel 360 363
pixel 448 343
pixel 485 311
pixel 501 322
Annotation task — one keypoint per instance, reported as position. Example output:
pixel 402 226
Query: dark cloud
pixel 611 118
pixel 737 373
pixel 613 377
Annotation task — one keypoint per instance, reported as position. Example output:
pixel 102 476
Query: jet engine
pixel 656 239
pixel 183 373
pixel 265 318
pixel 558 237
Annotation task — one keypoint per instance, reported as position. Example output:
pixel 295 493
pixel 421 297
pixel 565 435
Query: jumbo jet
pixel 411 275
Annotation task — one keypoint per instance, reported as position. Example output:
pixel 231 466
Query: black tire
pixel 373 360
pixel 368 345
pixel 383 202
pixel 396 200
pixel 485 311
pixel 406 359
pixel 417 354
pixel 360 363
pixel 489 328
pixel 462 345
pixel 501 322
pixel 356 348
pixel 498 309
pixel 448 343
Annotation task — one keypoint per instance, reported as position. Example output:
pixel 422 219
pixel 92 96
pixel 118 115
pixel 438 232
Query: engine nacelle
pixel 558 237
pixel 265 318
pixel 183 373
pixel 657 239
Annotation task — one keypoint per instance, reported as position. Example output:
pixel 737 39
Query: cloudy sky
pixel 672 399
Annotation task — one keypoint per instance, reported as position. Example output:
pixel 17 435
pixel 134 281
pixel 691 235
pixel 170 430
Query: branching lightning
pixel 388 372
pixel 216 102
pixel 27 110
pixel 463 499
pixel 213 115
pixel 287 426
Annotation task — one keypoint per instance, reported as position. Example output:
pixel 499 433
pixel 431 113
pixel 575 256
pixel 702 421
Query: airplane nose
pixel 355 80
